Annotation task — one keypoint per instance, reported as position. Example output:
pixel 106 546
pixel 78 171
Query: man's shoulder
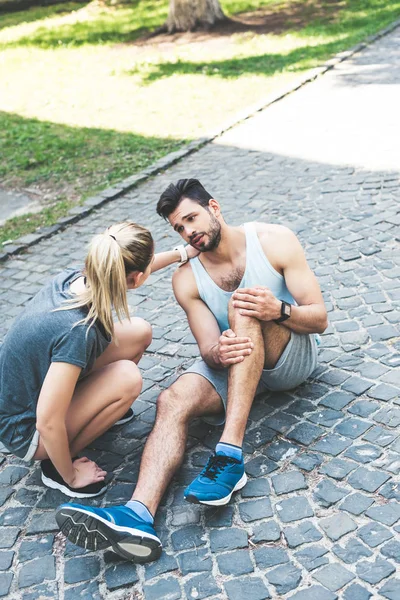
pixel 184 282
pixel 272 231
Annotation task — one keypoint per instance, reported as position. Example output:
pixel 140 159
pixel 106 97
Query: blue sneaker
pixel 116 527
pixel 215 485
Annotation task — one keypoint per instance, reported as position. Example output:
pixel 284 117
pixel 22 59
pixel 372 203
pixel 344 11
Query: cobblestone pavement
pixel 320 516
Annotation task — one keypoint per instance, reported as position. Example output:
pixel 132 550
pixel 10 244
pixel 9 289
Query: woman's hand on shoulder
pixel 86 472
pixel 191 252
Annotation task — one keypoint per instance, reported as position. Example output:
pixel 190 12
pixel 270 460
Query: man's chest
pixel 228 277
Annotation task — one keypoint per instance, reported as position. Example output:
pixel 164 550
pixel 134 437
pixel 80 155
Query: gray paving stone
pixel 337 400
pixel 187 538
pixel 315 592
pixel 388 416
pixel 326 417
pixel 304 533
pixel 255 509
pixel 356 503
pixel 363 453
pixel 337 526
pixel 333 576
pixel 220 516
pixel 49 591
pixel 380 435
pixel 280 450
pixel 235 563
pixel 165 588
pixel 85 591
pixel 168 563
pixel 352 428
pixel 120 575
pixel 327 493
pixel 80 569
pixel 337 468
pixel 200 587
pixel 255 488
pixel 270 556
pixel 266 532
pixel 388 514
pixel 228 539
pixel 374 534
pixel 332 444
pixel 352 552
pixel 305 433
pixel 391 550
pixel 374 572
pixel 194 561
pixel 6 559
pixel 5 583
pixel 367 480
pixel 291 481
pixel 251 588
pixel 307 461
pixel 293 509
pixel 8 535
pixel 391 491
pixel 356 592
pixel 312 557
pixel 30 549
pixel 391 589
pixel 12 474
pixel 14 516
pixel 37 571
pixel 285 578
pixel 383 392
pixel 364 408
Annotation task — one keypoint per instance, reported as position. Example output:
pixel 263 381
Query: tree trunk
pixel 187 15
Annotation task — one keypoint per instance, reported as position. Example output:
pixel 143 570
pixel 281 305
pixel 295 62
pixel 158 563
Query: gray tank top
pixel 258 271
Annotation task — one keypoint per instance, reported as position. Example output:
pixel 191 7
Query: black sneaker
pixel 128 416
pixel 52 479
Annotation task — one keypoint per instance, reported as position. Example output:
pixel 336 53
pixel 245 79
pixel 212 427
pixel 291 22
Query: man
pixel 253 305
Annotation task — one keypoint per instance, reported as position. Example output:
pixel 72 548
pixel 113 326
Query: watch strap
pixel 183 254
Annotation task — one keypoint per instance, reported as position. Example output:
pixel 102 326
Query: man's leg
pixel 129 529
pixel 269 341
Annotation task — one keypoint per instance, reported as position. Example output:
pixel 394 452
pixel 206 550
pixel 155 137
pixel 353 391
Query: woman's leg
pixel 106 394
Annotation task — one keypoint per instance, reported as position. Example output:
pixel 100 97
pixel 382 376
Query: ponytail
pixel 113 255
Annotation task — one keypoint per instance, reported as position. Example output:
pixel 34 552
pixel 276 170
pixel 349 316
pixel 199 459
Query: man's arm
pixel 287 256
pixel 218 351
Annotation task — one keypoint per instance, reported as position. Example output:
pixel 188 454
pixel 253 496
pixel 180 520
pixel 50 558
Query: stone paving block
pixel 327 493
pixel 280 450
pixel 388 416
pixel 30 549
pixel 352 428
pixel 4 495
pixel 281 422
pixel 307 461
pixel 326 417
pixel 165 588
pixel 337 468
pixel 285 578
pixel 293 509
pixel 291 481
pixel 260 466
pixel 256 488
pixel 367 480
pixel 221 516
pixel 194 561
pixel 235 563
pixel 337 400
pixel 332 444
pixel 333 576
pixel 337 526
pixel 187 538
pixel 388 514
pixel 356 503
pixel 315 592
pixel 6 559
pixel 363 453
pixel 12 474
pixel 251 588
pixel 255 509
pixel 374 572
pixel 81 569
pixel 381 436
pixel 5 583
pixel 200 587
pixel 37 571
pixel 383 392
pixel 391 491
pixel 301 534
pixel 392 550
pixel 8 535
pixel 120 575
pixel 356 592
pixel 14 516
pixel 391 589
pixel 312 557
pixel 364 408
pixel 357 385
pixel 305 433
pixel 266 532
pixel 42 523
pixel 228 539
pixel 374 534
pixel 352 552
pixel 166 564
pixel 270 556
pixel 85 591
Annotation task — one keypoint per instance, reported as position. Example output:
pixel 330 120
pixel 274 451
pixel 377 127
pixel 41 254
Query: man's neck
pixel 232 245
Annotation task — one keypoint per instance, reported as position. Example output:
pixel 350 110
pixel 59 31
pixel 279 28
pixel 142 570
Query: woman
pixel 67 372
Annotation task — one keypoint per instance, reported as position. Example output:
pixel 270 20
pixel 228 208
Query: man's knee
pixel 172 404
pixel 237 320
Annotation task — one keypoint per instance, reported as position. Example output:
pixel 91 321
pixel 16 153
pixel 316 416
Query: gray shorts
pixel 30 453
pixel 298 361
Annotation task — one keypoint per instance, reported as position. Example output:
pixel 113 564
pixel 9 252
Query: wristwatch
pixel 182 251
pixel 286 311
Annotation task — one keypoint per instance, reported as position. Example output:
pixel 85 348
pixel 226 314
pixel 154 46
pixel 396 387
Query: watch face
pixel 286 310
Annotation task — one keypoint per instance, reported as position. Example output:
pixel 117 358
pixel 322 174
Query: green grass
pixel 85 102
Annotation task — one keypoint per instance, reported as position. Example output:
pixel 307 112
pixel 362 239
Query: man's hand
pixel 231 349
pixel 258 302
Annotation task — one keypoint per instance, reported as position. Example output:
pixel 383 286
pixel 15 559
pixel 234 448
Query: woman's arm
pixel 164 259
pixel 51 413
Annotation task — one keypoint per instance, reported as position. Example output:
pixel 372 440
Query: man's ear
pixel 214 207
pixel 134 279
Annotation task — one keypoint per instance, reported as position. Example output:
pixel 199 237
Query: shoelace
pixel 215 465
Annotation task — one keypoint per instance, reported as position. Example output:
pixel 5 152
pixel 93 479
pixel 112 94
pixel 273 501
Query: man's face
pixel 197 225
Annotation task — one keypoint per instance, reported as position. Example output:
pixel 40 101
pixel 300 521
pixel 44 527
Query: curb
pixel 79 212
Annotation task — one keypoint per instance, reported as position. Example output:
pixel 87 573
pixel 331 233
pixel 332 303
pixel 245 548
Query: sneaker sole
pixel 65 490
pixel 95 533
pixel 221 501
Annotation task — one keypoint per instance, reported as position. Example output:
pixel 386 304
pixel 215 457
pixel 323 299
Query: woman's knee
pixel 142 331
pixel 128 379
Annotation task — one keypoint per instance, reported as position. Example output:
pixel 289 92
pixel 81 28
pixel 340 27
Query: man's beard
pixel 213 234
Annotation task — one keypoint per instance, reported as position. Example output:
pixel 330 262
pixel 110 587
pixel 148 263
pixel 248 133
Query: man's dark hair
pixel 174 194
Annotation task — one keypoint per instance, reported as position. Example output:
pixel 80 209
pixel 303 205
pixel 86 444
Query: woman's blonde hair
pixel 112 256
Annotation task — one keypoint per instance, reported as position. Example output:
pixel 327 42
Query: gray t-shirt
pixel 39 337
